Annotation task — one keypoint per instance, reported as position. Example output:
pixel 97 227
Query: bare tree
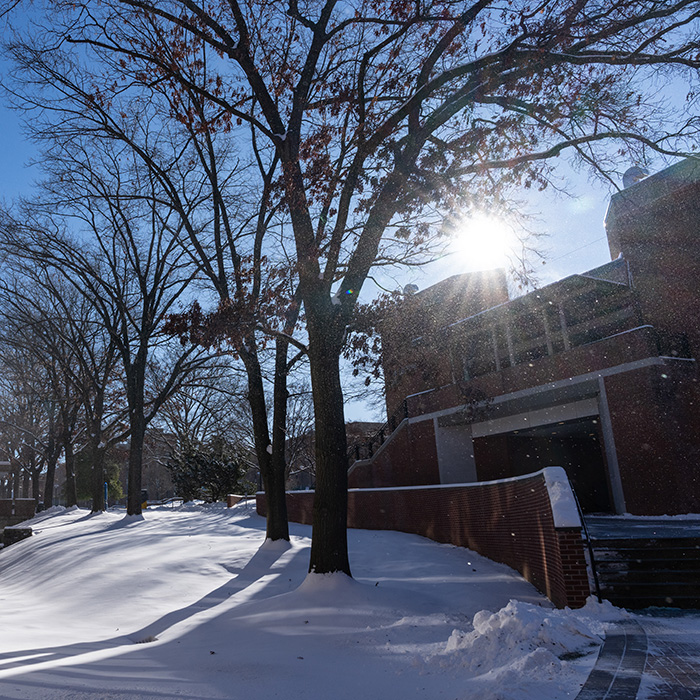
pixel 380 110
pixel 301 456
pixel 128 266
pixel 63 329
pixel 27 419
pixel 225 210
pixel 211 403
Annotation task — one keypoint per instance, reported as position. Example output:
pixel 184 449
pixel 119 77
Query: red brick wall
pixel 654 225
pixel 409 459
pixel 14 511
pixel 656 426
pixel 620 349
pixel 415 367
pixel 509 521
pixel 423 455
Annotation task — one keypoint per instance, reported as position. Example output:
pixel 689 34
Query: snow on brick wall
pixel 509 521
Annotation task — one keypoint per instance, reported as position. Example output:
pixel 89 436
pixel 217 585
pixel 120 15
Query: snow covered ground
pixel 192 603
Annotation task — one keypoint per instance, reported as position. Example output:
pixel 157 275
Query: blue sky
pixel 15 153
pixel 574 224
pixel 575 239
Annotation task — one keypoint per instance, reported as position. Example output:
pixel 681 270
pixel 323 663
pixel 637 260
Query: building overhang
pixel 562 393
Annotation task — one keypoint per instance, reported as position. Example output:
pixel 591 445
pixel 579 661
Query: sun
pixel 483 242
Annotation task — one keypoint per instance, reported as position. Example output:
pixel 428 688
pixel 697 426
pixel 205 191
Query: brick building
pixel 301 453
pixel 596 373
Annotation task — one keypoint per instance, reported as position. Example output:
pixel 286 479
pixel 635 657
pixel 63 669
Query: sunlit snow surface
pixel 192 603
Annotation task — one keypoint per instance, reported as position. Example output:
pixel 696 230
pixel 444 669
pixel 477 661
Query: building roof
pixel 656 187
pixel 606 279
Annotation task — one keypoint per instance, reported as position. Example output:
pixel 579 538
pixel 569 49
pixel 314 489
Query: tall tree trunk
pixel 50 482
pixel 98 476
pixel 138 435
pixel 329 547
pixel 325 327
pixel 97 452
pixel 273 478
pixel 36 491
pixel 71 488
pixel 16 481
pixel 53 450
pixel 277 482
pixel 136 383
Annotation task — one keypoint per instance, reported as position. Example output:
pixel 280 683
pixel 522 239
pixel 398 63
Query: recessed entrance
pixel 575 445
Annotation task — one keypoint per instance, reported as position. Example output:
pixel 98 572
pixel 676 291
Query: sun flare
pixel 484 242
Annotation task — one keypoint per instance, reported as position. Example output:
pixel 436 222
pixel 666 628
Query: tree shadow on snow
pixel 259 565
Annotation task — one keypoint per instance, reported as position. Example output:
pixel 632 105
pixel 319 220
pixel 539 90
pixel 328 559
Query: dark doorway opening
pixel 574 445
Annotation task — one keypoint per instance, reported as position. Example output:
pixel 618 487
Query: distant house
pixel 596 373
pixel 301 457
pixel 6 477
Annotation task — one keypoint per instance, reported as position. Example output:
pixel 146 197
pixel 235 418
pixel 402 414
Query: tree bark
pixel 97 452
pixel 135 387
pixel 71 488
pixel 36 494
pixel 277 481
pixel 329 546
pixel 98 478
pixel 273 479
pixel 49 483
pixel 138 434
pixel 53 452
pixel 16 482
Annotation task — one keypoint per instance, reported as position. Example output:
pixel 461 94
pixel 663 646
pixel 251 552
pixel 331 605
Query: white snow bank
pixel 561 497
pixel 521 629
pixel 48 514
pixel 52 510
pixel 511 652
pixel 225 612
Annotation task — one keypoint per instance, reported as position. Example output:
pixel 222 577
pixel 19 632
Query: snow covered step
pixel 637 573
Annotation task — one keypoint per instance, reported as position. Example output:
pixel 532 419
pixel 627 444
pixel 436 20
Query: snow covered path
pixel 191 603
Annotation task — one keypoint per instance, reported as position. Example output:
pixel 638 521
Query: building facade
pixel 596 373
